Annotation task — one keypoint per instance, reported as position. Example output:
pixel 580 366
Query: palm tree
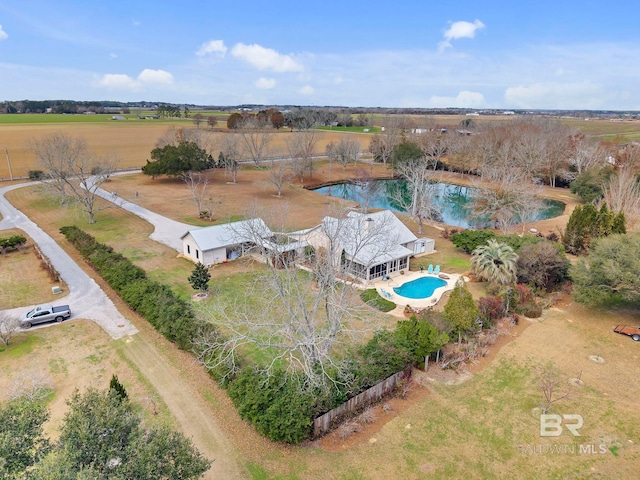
pixel 495 262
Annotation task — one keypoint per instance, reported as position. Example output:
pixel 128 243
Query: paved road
pixel 86 298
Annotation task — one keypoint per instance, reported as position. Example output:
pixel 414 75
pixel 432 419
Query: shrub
pixel 491 309
pixel 518 242
pixel 381 357
pixel 589 184
pixel 543 265
pixel 368 416
pixel 468 240
pixel 12 242
pixel 36 175
pixel 275 405
pixel 347 429
pixel 373 298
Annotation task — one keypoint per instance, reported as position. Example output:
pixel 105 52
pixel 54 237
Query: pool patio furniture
pixel 436 270
pixel 385 294
pixel 430 269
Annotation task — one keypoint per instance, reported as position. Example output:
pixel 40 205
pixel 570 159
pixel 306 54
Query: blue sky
pixel 463 53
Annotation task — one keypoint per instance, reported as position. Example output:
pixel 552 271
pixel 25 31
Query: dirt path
pixel 190 410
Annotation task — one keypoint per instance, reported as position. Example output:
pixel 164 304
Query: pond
pixel 452 200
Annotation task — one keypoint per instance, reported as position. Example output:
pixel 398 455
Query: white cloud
pixel 265 58
pixel 212 47
pixel 555 95
pixel 464 99
pixel 113 55
pixel 306 90
pixel 136 23
pixel 161 77
pixel 265 83
pixel 121 81
pixel 3 35
pixel 117 81
pixel 458 30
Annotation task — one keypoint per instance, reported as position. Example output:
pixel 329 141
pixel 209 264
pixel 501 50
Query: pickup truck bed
pixel 633 332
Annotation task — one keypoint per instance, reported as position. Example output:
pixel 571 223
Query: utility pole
pixel 6 151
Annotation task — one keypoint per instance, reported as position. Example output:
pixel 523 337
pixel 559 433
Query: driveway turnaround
pixel 166 231
pixel 86 298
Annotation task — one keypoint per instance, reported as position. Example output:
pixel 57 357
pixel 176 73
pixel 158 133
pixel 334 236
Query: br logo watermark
pixel 552 425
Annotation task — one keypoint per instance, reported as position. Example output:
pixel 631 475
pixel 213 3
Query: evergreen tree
pixel 199 278
pixel 420 337
pixel 461 310
pixel 117 387
pixel 587 223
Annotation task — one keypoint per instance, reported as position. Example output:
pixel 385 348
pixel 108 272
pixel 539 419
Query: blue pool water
pixel 422 287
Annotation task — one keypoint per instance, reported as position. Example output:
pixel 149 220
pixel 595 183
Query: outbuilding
pixel 221 243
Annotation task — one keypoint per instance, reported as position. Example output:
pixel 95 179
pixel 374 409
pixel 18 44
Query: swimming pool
pixel 422 287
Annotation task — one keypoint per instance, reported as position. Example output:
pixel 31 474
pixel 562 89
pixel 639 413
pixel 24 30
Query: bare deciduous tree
pixel 197 183
pixel 31 385
pixel 301 147
pixel 622 194
pixel 174 136
pixel 8 327
pixel 549 383
pixel 343 152
pixel 383 143
pixel 230 149
pixel 74 171
pixel 280 173
pixel 503 196
pixel 298 317
pixel 255 139
pixel 421 201
pixel 585 153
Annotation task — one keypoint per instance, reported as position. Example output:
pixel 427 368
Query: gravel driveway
pixel 86 298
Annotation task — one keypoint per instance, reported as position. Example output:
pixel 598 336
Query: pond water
pixel 452 200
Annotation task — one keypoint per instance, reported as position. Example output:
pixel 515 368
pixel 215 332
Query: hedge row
pixel 277 405
pixel 170 315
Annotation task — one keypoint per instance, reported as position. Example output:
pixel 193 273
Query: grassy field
pixel 484 427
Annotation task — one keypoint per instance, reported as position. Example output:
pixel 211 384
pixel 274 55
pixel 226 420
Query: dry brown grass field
pixel 132 142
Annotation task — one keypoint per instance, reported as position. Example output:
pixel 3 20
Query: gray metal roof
pixel 219 236
pixel 371 238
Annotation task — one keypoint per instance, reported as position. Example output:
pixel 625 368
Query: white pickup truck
pixel 45 313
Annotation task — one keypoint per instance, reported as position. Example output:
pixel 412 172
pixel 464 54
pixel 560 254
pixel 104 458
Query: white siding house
pixel 221 243
pixel 369 245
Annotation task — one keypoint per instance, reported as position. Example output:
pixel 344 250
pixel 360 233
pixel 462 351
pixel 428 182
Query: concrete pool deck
pixel 388 285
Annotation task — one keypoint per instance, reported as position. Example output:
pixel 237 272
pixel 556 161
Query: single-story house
pixel 220 243
pixel 368 246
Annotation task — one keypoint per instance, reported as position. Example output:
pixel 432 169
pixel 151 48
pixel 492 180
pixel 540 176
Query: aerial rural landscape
pixel 289 276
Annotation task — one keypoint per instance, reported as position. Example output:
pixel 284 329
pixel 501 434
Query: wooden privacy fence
pixel 325 423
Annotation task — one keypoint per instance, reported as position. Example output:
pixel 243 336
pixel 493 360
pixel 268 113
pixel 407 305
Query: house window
pixel 188 248
pixel 403 263
pixel 197 253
